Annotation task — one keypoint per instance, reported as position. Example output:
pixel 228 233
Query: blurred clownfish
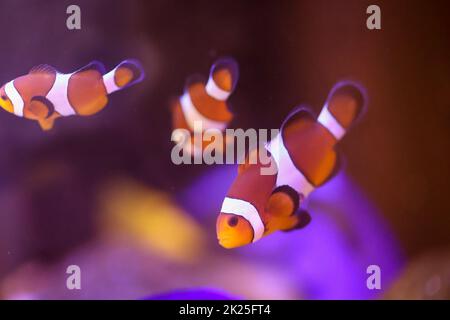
pixel 45 94
pixel 304 152
pixel 205 104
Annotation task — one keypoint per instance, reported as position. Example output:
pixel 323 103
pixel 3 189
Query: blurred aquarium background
pixel 102 193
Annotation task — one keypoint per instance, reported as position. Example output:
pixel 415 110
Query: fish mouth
pixel 224 242
pixel 222 239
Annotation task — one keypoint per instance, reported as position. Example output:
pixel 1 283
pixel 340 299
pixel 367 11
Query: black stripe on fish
pixel 304 218
pixel 93 65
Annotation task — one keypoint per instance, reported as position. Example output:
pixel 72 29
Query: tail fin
pixel 127 73
pixel 223 78
pixel 345 104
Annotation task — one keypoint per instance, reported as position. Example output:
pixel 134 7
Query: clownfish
pixel 205 103
pixel 44 94
pixel 304 153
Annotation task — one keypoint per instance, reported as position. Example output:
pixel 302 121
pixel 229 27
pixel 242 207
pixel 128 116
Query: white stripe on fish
pixel 330 122
pixel 15 97
pixel 192 115
pixel 247 211
pixel 58 95
pixel 288 174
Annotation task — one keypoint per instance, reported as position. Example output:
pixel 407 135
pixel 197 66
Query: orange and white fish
pixel 45 94
pixel 304 152
pixel 206 103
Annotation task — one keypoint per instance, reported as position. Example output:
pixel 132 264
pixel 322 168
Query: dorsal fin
pixel 94 65
pixel 43 68
pixel 302 111
pixel 225 72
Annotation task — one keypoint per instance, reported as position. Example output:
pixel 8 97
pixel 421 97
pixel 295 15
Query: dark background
pixel 290 52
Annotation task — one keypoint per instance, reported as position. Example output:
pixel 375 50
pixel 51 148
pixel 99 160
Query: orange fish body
pixel 305 157
pixel 206 103
pixel 45 94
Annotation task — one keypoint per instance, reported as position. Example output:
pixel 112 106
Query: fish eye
pixel 233 221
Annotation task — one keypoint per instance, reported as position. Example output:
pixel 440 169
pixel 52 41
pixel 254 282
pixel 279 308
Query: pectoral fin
pixel 283 205
pixel 284 201
pixel 42 110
